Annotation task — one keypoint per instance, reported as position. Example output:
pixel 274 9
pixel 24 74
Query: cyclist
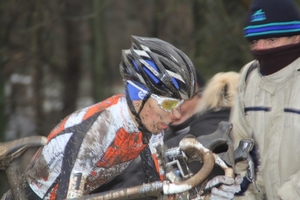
pixel 200 115
pixel 94 144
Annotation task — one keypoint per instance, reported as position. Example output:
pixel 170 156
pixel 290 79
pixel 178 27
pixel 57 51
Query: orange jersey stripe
pixel 101 106
pixel 53 193
pixel 89 112
pixel 125 147
pixel 57 129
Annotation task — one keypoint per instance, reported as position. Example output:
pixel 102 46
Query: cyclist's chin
pixel 160 128
pixel 156 133
pixel 155 130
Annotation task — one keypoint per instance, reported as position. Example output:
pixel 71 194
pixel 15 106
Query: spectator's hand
pixel 223 187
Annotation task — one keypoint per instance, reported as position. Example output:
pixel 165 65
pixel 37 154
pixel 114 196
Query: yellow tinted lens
pixel 169 104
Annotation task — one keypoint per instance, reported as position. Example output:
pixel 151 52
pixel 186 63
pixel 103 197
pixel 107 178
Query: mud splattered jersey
pixel 84 151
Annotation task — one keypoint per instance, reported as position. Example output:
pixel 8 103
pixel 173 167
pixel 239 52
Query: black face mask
pixel 273 60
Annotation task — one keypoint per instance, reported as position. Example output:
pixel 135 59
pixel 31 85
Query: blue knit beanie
pixel 272 19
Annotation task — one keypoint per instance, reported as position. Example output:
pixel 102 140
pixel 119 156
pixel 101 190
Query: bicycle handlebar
pixel 188 145
pixel 191 144
pixel 9 151
pixel 13 149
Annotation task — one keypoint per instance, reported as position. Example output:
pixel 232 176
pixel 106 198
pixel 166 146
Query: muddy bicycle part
pixel 220 136
pixel 9 152
pixel 225 160
pixel 166 187
pixel 231 157
pixel 241 153
pixel 228 171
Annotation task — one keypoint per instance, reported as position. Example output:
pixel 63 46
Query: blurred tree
pixel 100 75
pixel 2 80
pixel 220 45
pixel 36 50
pixel 70 72
pixel 3 183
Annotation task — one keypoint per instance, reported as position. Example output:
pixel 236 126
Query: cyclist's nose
pixel 176 113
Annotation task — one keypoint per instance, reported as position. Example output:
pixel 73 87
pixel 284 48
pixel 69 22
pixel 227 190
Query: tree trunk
pixel 99 42
pixel 36 72
pixel 71 72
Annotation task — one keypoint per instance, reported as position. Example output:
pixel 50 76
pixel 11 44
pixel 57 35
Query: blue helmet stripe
pixel 149 73
pixel 135 65
pixel 175 82
pixel 156 80
pixel 153 77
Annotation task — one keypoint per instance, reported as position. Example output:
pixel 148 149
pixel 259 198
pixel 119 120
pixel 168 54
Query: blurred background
pixel 61 55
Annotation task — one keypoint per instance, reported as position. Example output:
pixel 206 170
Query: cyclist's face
pixel 155 118
pixel 273 42
pixel 188 108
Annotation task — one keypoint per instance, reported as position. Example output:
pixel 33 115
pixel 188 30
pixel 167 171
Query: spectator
pixel 268 106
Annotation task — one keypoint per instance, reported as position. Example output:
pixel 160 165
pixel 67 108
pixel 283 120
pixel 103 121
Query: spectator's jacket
pixel 87 149
pixel 268 110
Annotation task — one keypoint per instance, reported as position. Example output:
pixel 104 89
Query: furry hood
pixel 220 91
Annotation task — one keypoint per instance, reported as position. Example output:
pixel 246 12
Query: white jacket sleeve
pixel 290 189
pixel 242 130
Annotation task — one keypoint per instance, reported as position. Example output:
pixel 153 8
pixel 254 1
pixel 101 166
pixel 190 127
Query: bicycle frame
pixel 13 174
pixel 13 150
pixel 10 153
pixel 174 184
pixel 171 186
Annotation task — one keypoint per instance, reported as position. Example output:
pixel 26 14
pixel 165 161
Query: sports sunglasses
pixel 166 103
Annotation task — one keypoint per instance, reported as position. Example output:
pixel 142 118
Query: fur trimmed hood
pixel 220 91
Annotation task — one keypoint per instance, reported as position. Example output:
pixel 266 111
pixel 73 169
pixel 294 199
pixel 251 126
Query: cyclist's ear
pixel 136 103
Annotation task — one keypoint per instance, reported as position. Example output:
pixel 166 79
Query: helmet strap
pixel 146 134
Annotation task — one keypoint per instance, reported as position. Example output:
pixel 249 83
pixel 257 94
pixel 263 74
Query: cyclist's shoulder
pixel 84 117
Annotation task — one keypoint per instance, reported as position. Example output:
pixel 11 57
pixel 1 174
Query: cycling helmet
pixel 159 66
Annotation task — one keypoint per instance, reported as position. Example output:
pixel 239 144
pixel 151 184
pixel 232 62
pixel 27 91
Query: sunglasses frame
pixel 160 100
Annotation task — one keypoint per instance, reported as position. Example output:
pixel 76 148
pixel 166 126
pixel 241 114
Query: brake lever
pixel 241 153
pixel 231 157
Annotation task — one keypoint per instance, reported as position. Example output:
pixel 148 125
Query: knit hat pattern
pixel 272 19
